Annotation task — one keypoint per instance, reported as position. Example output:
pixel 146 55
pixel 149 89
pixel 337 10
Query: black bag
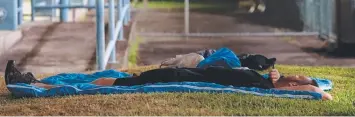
pixel 256 62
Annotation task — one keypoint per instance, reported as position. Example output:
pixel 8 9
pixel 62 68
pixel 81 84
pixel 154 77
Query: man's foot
pixel 10 69
pixel 13 76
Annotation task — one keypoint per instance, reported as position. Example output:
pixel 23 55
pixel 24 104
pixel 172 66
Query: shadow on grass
pixel 341 53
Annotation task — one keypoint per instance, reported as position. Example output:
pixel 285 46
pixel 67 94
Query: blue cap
pixel 323 84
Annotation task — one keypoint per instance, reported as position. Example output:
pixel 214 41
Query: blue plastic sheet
pixel 79 84
pixel 223 57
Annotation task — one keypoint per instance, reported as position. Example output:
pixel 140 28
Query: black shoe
pixel 13 76
pixel 10 69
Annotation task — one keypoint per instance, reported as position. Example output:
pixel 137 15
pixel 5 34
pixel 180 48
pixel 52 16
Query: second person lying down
pixel 223 76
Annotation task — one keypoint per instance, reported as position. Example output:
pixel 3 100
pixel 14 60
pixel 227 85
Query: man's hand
pixel 274 75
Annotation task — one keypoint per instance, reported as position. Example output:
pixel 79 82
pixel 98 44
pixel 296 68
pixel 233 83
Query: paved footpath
pixel 54 47
pixel 301 50
pixel 296 51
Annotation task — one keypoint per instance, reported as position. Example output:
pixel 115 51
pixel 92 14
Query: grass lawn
pixel 133 52
pixel 193 103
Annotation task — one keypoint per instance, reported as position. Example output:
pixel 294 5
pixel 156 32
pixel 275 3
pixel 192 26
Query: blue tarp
pixel 77 84
pixel 223 57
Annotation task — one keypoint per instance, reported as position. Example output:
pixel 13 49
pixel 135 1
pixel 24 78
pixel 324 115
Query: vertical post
pixel 64 11
pixel 145 4
pixel 15 12
pixel 112 29
pixel 319 16
pixel 100 34
pixel 125 14
pixel 20 12
pixel 118 10
pixel 129 11
pixel 91 3
pixel 332 22
pixel 187 14
pixel 53 2
pixel 119 17
pixel 33 10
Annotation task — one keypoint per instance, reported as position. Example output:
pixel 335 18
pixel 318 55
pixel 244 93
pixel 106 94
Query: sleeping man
pixel 218 75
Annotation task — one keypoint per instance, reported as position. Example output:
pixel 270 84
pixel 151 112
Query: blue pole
pixel 129 11
pixel 125 2
pixel 33 10
pixel 20 13
pixel 112 29
pixel 119 10
pixel 64 12
pixel 100 34
pixel 91 3
pixel 15 12
pixel 53 14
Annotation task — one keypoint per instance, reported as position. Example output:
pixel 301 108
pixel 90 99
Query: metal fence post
pixel 20 12
pixel 129 11
pixel 187 14
pixel 112 29
pixel 16 15
pixel 91 3
pixel 125 14
pixel 119 11
pixel 64 12
pixel 100 34
pixel 33 10
pixel 53 14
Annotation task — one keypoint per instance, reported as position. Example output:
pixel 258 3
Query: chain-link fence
pixel 319 16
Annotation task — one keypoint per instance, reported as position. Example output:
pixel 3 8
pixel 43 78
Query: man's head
pixel 295 81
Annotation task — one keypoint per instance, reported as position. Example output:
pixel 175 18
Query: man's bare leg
pixel 42 85
pixel 325 95
pixel 104 81
pixel 100 81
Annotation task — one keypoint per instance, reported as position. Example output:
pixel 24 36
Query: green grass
pixel 194 103
pixel 174 5
pixel 133 52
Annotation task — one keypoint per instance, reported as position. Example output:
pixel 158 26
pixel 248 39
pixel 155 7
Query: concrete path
pixel 54 47
pixel 8 39
pixel 172 21
pixel 288 50
pixel 291 51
